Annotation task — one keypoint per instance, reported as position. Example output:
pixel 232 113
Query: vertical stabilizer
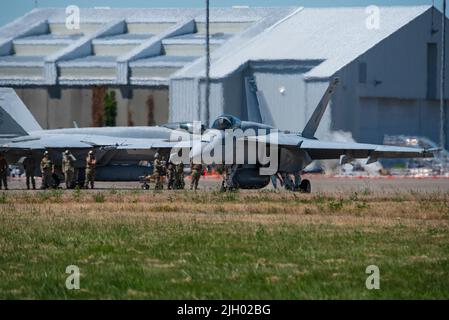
pixel 314 121
pixel 265 112
pixel 252 105
pixel 257 106
pixel 15 118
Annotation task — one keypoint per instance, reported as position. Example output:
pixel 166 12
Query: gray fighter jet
pixel 119 150
pixel 294 150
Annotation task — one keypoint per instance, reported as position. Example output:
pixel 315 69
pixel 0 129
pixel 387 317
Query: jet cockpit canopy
pixel 226 121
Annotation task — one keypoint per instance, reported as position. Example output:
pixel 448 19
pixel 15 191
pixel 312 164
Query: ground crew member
pixel 91 164
pixel 3 172
pixel 179 176
pixel 297 179
pixel 68 168
pixel 30 168
pixel 197 170
pixel 46 171
pixel 164 169
pixel 225 174
pixel 171 175
pixel 158 172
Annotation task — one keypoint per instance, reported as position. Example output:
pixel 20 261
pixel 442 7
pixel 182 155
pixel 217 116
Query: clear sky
pixel 9 10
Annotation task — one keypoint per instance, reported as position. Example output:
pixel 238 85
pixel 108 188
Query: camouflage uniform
pixel 68 167
pixel 196 175
pixel 179 176
pixel 224 177
pixel 3 173
pixel 46 171
pixel 170 175
pixel 91 164
pixel 158 172
pixel 30 167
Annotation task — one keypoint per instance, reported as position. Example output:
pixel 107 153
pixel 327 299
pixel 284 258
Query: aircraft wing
pixel 81 142
pixel 107 147
pixel 29 143
pixel 323 150
pixel 327 150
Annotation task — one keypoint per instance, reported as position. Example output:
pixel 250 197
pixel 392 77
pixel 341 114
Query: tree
pixel 110 109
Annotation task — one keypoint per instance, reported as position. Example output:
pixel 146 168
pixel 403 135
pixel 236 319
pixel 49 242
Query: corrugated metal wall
pixel 183 100
pixel 216 101
pixel 188 100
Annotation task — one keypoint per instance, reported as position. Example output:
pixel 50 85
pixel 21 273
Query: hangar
pixel 59 71
pixel 153 59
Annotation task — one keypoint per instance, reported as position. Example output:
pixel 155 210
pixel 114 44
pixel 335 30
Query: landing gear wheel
pixel 305 186
pixel 145 186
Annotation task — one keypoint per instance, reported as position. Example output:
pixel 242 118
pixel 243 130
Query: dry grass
pixel 259 207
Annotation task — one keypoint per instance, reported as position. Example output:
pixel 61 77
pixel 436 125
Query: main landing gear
pixel 293 182
pixel 305 186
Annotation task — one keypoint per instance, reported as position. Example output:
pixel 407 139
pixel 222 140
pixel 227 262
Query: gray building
pixel 153 59
pixel 56 70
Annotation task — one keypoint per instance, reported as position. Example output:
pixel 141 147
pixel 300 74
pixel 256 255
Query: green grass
pixel 99 197
pixel 156 254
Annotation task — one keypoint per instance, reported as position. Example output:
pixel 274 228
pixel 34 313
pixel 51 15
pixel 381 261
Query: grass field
pixel 246 245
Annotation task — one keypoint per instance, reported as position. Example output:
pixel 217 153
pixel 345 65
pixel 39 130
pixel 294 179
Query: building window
pixel 363 72
pixel 432 68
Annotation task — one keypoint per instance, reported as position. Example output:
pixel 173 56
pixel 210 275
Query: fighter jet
pixel 294 150
pixel 21 136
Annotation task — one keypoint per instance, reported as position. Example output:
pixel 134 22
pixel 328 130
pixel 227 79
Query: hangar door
pixel 387 116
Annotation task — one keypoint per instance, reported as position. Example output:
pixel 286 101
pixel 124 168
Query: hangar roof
pixel 116 46
pixel 151 46
pixel 335 35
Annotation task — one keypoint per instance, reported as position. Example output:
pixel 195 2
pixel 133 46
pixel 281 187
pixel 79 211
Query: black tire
pixel 145 186
pixel 305 186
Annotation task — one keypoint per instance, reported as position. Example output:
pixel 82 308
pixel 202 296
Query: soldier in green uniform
pixel 170 175
pixel 179 176
pixel 224 175
pixel 3 172
pixel 68 168
pixel 46 171
pixel 30 168
pixel 164 170
pixel 91 164
pixel 158 172
pixel 196 175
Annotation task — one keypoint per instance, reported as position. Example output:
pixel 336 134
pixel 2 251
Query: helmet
pixel 46 153
pixel 66 152
pixel 91 152
pixel 156 156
